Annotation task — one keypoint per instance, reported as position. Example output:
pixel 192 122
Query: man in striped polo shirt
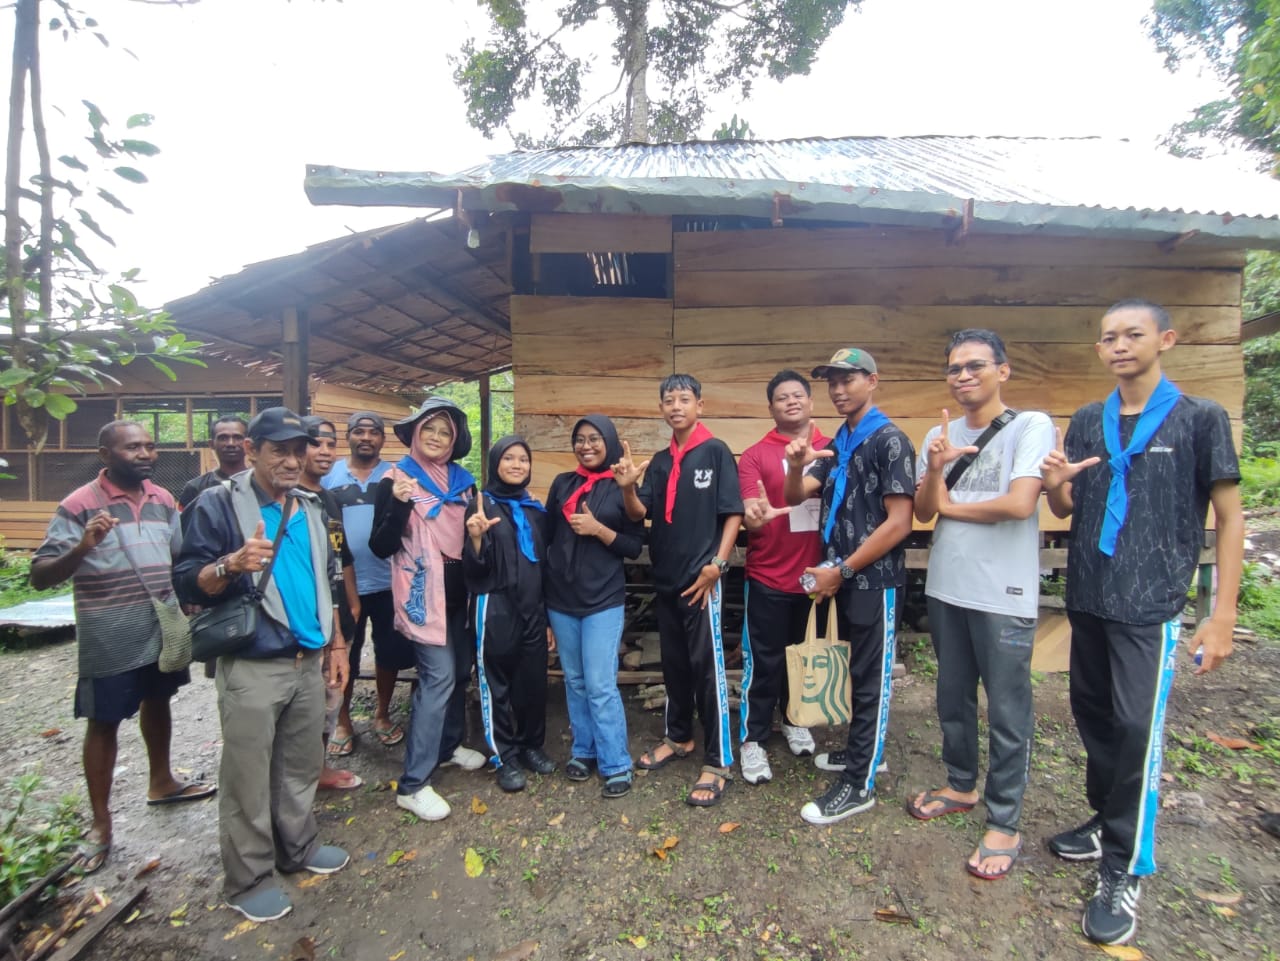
pixel 115 538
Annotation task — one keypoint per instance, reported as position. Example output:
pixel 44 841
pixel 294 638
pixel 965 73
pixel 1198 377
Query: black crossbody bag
pixel 962 463
pixel 229 627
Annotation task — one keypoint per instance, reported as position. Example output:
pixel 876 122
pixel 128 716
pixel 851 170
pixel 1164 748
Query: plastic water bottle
pixel 809 583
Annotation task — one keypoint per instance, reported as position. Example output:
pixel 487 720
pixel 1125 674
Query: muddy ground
pixel 577 875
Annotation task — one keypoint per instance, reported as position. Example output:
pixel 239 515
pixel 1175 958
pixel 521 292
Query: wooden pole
pixel 296 337
pixel 486 427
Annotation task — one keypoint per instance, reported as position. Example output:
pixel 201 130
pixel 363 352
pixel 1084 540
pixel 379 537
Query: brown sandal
pixel 649 761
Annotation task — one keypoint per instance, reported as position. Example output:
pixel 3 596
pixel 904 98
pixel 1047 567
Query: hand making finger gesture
pixel 584 522
pixel 254 555
pixel 96 530
pixel 759 511
pixel 1056 470
pixel 800 453
pixel 478 524
pixel 402 488
pixel 625 472
pixel 941 451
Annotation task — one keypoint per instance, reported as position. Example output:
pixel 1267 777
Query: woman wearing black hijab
pixel 502 563
pixel 589 536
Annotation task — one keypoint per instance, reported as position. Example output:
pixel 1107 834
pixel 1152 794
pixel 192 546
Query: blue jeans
pixel 426 715
pixel 588 649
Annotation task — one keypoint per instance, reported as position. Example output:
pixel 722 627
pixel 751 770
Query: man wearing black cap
pixel 353 481
pixel 867 480
pixel 271 693
pixel 228 445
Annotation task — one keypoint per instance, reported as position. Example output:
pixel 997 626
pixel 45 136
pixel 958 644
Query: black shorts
pixel 392 651
pixel 117 697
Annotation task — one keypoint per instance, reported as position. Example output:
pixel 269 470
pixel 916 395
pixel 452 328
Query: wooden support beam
pixel 486 427
pixel 295 336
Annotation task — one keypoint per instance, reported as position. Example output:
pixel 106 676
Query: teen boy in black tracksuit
pixel 690 493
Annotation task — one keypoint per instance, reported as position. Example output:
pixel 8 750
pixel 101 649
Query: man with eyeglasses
pixel 980 477
pixel 866 478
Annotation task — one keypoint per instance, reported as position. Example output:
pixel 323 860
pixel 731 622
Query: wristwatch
pixel 846 571
pixel 220 568
pixel 722 564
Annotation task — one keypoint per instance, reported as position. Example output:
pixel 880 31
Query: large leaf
pixel 86 218
pixel 162 367
pixel 140 120
pixel 123 299
pixel 74 162
pixel 96 119
pixel 58 405
pixel 112 199
pixel 15 376
pixel 143 147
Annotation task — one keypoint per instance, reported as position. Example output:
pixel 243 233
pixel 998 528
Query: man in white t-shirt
pixel 983 590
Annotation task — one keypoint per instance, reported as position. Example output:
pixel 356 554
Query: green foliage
pixel 35 834
pixel 1259 603
pixel 502 402
pixel 1240 39
pixel 691 48
pixel 733 129
pixel 1259 482
pixel 15 586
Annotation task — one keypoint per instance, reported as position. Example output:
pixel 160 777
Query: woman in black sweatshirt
pixel 501 561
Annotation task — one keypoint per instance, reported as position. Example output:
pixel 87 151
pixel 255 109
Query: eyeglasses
pixel 594 440
pixel 973 368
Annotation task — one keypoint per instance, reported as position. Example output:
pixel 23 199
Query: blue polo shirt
pixel 355 497
pixel 294 575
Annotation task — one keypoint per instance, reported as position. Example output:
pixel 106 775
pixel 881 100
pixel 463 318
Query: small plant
pixel 35 834
pixel 772 866
pixel 490 857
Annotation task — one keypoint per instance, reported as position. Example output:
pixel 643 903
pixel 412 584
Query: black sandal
pixel 579 768
pixel 653 764
pixel 616 785
pixel 714 788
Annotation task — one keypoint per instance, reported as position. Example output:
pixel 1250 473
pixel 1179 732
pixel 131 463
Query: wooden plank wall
pixel 749 303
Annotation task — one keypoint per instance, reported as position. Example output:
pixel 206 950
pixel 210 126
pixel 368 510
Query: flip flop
pixel 342 746
pixel 949 806
pixel 656 764
pixel 985 852
pixel 350 782
pixel 194 791
pixel 716 790
pixel 389 736
pixel 93 855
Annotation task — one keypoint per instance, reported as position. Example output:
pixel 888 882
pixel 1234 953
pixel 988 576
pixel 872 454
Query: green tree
pixel 1240 40
pixel 693 48
pixel 83 322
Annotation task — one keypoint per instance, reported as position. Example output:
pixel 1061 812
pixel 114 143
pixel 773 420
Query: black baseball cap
pixel 359 417
pixel 278 424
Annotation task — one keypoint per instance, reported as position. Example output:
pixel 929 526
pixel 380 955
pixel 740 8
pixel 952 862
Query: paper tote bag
pixel 819 688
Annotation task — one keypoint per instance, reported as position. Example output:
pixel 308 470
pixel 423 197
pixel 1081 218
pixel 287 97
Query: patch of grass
pixel 15 569
pixel 35 834
pixel 1259 605
pixel 1260 481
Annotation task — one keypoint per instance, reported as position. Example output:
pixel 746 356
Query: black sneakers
pixel 841 800
pixel 535 759
pixel 1083 843
pixel 1111 915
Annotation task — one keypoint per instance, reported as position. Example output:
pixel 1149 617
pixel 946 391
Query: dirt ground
pixel 569 875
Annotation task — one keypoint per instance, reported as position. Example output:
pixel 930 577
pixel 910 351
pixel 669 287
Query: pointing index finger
pixel 946 422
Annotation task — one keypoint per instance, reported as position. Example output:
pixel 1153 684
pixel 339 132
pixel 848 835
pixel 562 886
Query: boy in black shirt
pixel 867 479
pixel 1136 475
pixel 691 495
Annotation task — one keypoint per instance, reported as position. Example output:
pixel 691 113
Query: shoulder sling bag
pixel 230 626
pixel 962 463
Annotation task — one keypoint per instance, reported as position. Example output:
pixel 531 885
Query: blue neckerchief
pixel 1153 414
pixel 524 532
pixel 460 481
pixel 847 441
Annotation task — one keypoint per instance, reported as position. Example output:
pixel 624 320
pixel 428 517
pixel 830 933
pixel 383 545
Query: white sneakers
pixel 426 804
pixel 466 759
pixel 799 740
pixel 755 763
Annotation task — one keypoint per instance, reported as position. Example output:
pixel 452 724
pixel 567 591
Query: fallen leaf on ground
pixel 473 864
pixel 729 826
pixel 662 849
pixel 304 949
pixel 52 732
pixel 1222 912
pixel 312 881
pixel 1233 743
pixel 624 819
pixel 147 868
pixel 478 806
pixel 1122 951
pixel 394 857
pixel 1219 897
pixel 556 821
pixel 238 930
pixel 410 855
pixel 639 940
pixel 351 820
pixel 1166 777
pixel 893 916
pixel 132 917
pixel 521 952
pixel 177 914
pixel 397 956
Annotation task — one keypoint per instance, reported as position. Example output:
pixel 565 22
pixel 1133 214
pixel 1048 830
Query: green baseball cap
pixel 844 360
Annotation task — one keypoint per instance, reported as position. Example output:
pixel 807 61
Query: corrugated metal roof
pixel 52 612
pixel 1079 185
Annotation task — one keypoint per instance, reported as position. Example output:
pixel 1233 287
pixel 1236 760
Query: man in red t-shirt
pixel 781 543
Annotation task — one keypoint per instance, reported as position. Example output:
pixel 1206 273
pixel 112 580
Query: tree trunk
pixel 633 17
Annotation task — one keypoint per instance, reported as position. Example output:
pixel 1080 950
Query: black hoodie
pixel 583 575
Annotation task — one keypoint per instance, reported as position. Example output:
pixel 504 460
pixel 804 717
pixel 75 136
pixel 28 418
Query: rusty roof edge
pixel 805 201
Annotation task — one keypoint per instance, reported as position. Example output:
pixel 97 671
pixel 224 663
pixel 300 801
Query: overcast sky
pixel 247 92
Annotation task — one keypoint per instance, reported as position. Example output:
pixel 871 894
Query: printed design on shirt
pixel 702 477
pixel 415 606
pixel 336 535
pixel 985 474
